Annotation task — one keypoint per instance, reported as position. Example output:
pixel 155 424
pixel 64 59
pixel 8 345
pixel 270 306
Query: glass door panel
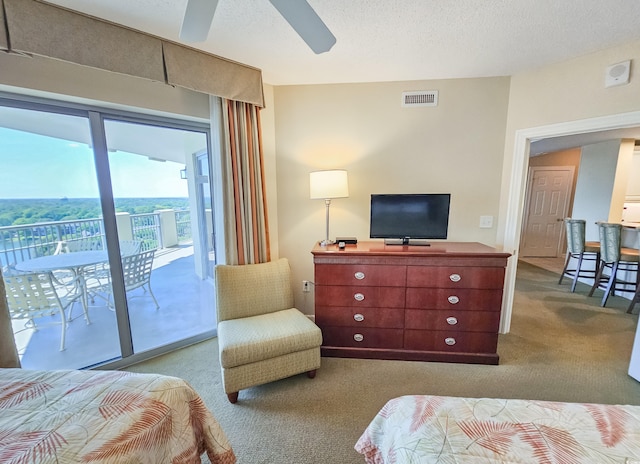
pixel 205 213
pixel 51 227
pixel 168 295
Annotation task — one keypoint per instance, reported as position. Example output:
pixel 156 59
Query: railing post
pixel 125 227
pixel 168 227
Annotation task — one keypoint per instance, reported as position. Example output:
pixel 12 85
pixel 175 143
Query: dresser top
pixel 378 248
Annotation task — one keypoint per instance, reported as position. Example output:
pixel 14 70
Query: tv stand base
pixel 406 241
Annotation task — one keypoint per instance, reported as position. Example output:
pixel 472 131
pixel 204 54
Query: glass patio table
pixel 76 262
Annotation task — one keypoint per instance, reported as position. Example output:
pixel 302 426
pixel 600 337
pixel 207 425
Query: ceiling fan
pixel 298 13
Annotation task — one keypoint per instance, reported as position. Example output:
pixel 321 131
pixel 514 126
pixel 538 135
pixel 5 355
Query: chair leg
pixel 636 296
pixel 311 374
pixel 566 266
pixel 598 277
pixel 576 273
pixel 634 300
pixel 610 285
pixel 233 397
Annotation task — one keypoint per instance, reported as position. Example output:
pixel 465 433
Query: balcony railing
pixel 20 243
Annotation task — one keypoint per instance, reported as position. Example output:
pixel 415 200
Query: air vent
pixel 420 98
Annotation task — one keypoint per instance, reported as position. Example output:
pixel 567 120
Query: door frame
pixel 512 223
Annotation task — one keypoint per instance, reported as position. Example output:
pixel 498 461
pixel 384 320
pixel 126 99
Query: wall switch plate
pixel 486 222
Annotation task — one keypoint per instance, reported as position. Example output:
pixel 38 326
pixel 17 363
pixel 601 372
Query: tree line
pixel 17 212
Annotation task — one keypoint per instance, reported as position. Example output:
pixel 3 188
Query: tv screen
pixel 410 216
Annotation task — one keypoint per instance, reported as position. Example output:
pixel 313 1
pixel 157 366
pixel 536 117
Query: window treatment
pixel 32 27
pixel 244 199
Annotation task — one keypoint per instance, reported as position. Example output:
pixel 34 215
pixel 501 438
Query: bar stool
pixel 616 258
pixel 636 297
pixel 580 250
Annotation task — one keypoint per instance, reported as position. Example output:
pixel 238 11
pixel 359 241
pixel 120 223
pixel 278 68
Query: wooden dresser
pixel 425 303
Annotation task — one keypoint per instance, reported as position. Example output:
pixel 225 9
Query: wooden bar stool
pixel 579 250
pixel 615 258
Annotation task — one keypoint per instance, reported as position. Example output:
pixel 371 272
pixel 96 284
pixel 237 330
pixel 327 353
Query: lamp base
pixel 326 242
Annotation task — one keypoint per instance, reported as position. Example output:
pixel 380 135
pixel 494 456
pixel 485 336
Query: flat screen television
pixel 408 219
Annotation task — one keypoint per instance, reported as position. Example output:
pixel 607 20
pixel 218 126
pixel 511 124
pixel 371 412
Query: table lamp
pixel 325 185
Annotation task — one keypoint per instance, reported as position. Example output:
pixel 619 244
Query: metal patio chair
pixel 137 272
pixel 33 297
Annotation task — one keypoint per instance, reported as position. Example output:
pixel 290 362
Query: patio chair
pixel 137 272
pixel 129 247
pixel 33 297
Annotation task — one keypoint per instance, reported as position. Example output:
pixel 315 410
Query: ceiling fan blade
pixel 306 22
pixel 197 20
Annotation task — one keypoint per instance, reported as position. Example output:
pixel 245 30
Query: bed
pixel 105 417
pixel 442 429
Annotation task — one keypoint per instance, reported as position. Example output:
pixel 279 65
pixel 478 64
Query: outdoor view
pixel 54 244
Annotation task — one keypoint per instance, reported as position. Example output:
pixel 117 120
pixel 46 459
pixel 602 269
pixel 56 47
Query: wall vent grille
pixel 420 98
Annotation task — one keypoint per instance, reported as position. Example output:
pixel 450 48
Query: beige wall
pixel 454 148
pixel 568 91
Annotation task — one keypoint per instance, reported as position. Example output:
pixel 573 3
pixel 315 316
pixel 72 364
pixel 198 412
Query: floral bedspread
pixel 105 417
pixel 430 429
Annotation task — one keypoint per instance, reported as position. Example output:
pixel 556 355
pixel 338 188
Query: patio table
pixel 75 262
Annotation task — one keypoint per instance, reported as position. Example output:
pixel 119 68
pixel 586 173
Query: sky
pixel 39 166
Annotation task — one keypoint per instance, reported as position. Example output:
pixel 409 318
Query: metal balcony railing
pixel 20 243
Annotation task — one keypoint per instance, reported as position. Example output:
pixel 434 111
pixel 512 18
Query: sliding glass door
pixel 167 297
pixel 50 206
pixel 107 205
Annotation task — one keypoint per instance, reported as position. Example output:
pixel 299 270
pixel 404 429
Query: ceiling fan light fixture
pixel 198 16
pixel 306 22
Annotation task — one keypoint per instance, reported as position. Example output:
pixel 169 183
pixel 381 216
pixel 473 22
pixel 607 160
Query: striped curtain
pixel 245 205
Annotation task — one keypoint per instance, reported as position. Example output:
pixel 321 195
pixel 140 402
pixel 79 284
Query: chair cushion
pixel 256 338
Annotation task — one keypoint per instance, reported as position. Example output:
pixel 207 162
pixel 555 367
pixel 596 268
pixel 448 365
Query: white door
pixel 547 204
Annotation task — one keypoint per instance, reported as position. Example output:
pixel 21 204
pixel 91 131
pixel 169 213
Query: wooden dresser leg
pixel 233 397
pixel 311 374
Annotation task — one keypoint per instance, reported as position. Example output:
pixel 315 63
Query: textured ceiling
pixel 393 40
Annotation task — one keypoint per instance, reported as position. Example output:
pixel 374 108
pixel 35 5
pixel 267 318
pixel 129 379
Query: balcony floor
pixel 187 308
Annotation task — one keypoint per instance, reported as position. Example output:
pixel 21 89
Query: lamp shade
pixel 328 184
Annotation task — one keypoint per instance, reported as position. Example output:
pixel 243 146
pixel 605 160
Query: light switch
pixel 486 222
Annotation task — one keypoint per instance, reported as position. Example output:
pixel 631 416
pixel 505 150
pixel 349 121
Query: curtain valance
pixel 37 28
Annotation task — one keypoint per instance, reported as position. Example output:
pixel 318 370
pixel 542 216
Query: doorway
pixel 518 182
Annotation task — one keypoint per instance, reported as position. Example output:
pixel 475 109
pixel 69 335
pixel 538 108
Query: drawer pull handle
pixel 452 320
pixel 358 317
pixel 453 299
pixel 358 337
pixel 358 297
pixel 455 278
pixel 450 341
pixel 359 275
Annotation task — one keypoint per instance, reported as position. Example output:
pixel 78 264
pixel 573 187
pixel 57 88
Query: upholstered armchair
pixel 261 336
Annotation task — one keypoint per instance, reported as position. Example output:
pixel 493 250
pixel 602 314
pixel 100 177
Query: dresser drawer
pixel 362 337
pixel 455 277
pixel 459 321
pixel 357 296
pixel 361 275
pixel 451 341
pixel 463 299
pixel 392 318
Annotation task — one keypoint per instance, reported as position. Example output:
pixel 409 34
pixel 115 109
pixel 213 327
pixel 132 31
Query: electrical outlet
pixel 306 286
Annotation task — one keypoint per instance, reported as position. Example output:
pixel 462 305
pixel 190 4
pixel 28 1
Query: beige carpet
pixel 562 347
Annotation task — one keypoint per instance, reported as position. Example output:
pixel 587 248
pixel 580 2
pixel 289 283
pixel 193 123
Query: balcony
pixel 186 299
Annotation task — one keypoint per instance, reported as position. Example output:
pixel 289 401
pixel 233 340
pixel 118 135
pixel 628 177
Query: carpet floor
pixel 562 347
